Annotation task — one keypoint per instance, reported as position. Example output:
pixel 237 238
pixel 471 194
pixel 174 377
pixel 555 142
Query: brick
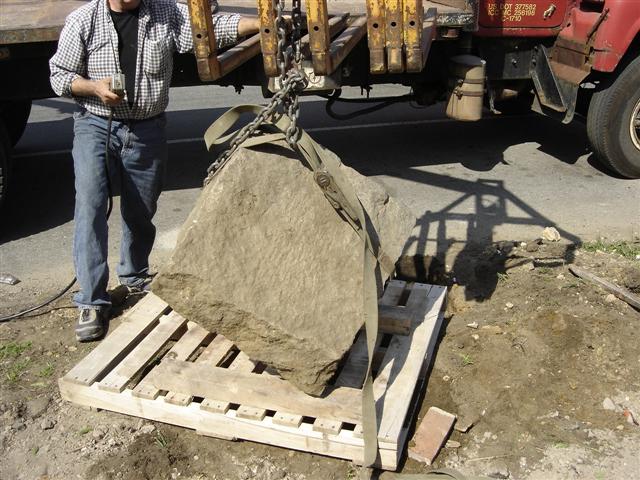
pixel 431 435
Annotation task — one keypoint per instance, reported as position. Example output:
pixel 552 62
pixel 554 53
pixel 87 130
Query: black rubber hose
pixel 381 102
pixel 109 209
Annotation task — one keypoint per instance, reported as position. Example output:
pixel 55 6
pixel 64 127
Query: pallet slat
pixel 143 353
pixel 241 363
pixel 136 323
pixel 402 363
pixel 354 369
pixel 183 349
pixel 287 419
pixel 327 425
pixel 243 388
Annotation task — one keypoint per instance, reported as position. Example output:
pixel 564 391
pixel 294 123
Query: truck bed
pixel 28 21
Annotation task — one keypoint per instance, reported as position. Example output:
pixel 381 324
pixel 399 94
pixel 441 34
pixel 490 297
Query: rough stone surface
pixel 266 261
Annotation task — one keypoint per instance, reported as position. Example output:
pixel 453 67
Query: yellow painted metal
pixel 376 36
pixel 268 37
pixel 413 13
pixel 319 36
pixel 204 40
pixel 393 35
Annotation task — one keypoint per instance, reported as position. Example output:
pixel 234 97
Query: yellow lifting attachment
pixel 212 66
pixel 419 30
pixel 376 36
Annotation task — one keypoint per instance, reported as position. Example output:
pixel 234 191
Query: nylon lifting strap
pixel 342 196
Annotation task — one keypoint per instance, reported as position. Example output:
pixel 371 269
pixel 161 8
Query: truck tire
pixel 613 122
pixel 15 114
pixel 5 162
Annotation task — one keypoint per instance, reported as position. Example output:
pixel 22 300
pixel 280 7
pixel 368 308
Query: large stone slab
pixel 265 260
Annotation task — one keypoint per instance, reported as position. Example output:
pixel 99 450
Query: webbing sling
pixel 342 196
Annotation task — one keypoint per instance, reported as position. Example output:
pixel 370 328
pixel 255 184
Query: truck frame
pixel 557 57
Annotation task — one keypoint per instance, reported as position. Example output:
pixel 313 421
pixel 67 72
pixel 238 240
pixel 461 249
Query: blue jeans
pixel 137 158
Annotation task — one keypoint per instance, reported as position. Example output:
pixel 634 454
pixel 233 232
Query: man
pixel 136 38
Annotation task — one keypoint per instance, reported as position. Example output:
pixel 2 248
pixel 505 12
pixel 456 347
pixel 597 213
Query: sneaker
pixel 142 286
pixel 91 325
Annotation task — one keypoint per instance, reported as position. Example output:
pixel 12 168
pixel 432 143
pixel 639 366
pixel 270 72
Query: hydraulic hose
pixel 109 209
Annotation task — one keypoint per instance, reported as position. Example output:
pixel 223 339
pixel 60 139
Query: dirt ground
pixel 541 368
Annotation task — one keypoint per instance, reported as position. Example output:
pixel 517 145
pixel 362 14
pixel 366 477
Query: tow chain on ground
pixel 292 82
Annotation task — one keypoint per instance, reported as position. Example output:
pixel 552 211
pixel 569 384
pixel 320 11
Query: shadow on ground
pixel 43 191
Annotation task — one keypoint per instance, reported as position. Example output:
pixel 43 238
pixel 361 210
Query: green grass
pixel 352 473
pixel 47 370
pixel 628 250
pixel 503 277
pixel 561 445
pixel 16 370
pixel 161 440
pixel 13 349
pixel 466 359
pixel 35 450
pixel 85 430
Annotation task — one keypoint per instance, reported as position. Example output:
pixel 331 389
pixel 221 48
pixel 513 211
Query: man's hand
pixel 104 93
pixel 82 87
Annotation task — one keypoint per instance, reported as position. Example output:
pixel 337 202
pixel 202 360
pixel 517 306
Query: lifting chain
pixel 292 81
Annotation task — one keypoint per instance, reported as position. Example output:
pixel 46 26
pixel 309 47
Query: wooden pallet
pixel 160 366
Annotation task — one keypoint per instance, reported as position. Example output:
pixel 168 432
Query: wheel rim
pixel 634 126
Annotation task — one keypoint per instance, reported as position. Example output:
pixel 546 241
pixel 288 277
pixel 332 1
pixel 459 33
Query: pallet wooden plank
pixel 213 355
pixel 251 412
pixel 394 319
pixel 178 398
pixel 393 292
pixel 414 406
pixel 143 353
pixel 243 388
pixel 354 368
pixel 327 425
pixel 287 419
pixel 404 359
pixel 304 438
pixel 210 355
pixel 242 363
pixel 136 323
pixel 216 351
pixel 183 349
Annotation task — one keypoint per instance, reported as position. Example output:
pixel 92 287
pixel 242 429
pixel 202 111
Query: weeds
pixel 352 473
pixel 47 370
pixel 85 430
pixel 13 349
pixel 16 370
pixel 503 277
pixel 630 250
pixel 466 359
pixel 161 440
pixel 561 445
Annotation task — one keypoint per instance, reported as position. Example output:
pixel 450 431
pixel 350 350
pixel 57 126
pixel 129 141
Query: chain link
pixel 292 82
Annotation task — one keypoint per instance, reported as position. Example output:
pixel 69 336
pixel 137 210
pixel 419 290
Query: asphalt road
pixel 503 178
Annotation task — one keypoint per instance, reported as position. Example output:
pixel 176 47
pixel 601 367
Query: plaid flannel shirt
pixel 88 47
